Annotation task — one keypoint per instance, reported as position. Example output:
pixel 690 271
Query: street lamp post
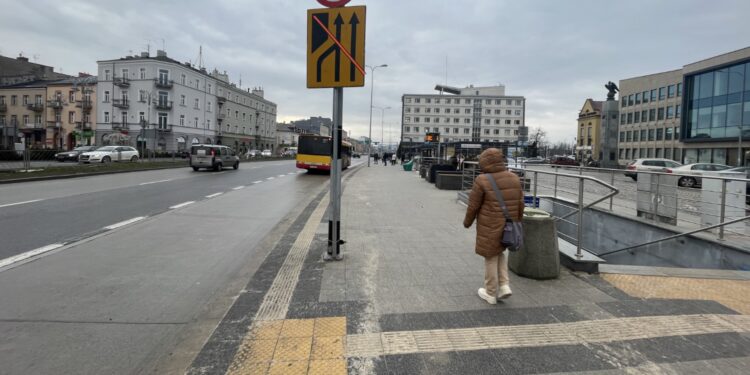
pixel 372 90
pixel 382 116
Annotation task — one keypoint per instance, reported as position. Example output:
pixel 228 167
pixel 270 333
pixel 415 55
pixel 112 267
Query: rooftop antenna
pixel 148 46
pixel 199 61
pixel 240 80
pixel 35 57
pixel 163 44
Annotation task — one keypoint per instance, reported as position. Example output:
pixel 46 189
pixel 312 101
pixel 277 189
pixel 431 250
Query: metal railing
pixel 577 205
pixel 713 205
pixel 163 83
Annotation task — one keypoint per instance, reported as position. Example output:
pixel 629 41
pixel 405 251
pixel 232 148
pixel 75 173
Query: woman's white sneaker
pixel 504 292
pixel 483 295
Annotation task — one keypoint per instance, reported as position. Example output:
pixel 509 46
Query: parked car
pixel 266 153
pixel 109 154
pixel 355 155
pixel 214 157
pixel 563 160
pixel 536 160
pixel 649 165
pixel 73 154
pixel 745 173
pixel 252 154
pixel 691 173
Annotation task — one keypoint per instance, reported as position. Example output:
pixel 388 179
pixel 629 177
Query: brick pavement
pixel 403 301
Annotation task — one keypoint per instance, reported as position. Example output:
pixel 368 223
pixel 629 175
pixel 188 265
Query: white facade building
pixel 471 114
pixel 157 103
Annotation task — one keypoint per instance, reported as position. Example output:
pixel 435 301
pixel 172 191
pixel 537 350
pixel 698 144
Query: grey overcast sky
pixel 555 53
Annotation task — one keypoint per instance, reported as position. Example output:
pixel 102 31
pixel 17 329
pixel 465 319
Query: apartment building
pixel 22 115
pixel 158 103
pixel 245 120
pixel 470 114
pixel 71 112
pixel 15 71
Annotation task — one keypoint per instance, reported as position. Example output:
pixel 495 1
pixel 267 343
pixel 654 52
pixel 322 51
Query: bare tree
pixel 538 136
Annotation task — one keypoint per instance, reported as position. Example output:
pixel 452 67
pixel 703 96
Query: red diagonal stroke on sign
pixel 348 55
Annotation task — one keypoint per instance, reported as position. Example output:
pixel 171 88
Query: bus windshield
pixel 314 146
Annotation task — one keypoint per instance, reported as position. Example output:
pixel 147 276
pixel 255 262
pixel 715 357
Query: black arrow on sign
pixel 334 48
pixel 354 21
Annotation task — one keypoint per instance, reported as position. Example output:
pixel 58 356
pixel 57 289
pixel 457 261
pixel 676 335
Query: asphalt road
pixel 130 300
pixel 59 211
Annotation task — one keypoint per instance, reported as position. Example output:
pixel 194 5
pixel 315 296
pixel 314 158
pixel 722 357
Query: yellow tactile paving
pixel 293 346
pixel 734 294
pixel 335 326
pixel 297 328
pixel 266 330
pixel 327 367
pixel 328 347
pixel 288 368
pixel 293 349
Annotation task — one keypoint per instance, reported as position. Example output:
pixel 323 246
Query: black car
pixel 73 154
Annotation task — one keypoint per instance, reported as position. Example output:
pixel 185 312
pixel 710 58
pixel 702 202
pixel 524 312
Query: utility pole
pixel 372 90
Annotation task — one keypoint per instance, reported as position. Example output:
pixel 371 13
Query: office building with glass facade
pixel 690 115
pixel 717 108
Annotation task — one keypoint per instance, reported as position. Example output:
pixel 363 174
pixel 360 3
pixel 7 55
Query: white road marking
pixel 302 171
pixel 17 203
pixel 29 254
pixel 257 182
pixel 214 195
pixel 282 175
pixel 154 182
pixel 124 223
pixel 239 187
pixel 181 205
pixel 290 173
pixel 270 178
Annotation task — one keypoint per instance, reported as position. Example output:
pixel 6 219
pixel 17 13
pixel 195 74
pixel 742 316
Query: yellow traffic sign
pixel 336 47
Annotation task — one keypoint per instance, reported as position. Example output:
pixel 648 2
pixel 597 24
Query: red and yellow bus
pixel 314 153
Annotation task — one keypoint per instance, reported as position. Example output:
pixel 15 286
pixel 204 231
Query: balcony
pixel 221 99
pixel 56 103
pixel 3 107
pixel 83 125
pixel 165 128
pixel 163 83
pixel 164 105
pixel 54 124
pixel 221 116
pixel 36 107
pixel 121 103
pixel 85 104
pixel 119 126
pixel 34 125
pixel 121 81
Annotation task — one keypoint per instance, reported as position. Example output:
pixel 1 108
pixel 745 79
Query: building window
pixel 517 122
pixel 623 102
pixel 653 95
pixel 497 101
pixel 660 115
pixel 635 136
pixel 518 112
pixel 630 118
pixel 407 100
pixel 467 110
pixel 628 136
pixel 638 98
pixel 486 121
pixel 437 110
pixel 670 112
pixel 643 135
pixel 407 129
pixel 519 102
pixel 142 73
pixel 106 117
pixel 197 103
pixel 644 116
pixel 630 100
pixel 416 129
pixel 508 112
pixel 636 117
pixel 106 97
pixel 659 133
pixel 679 89
pixel 507 122
pixel 107 75
pixel 670 91
pixel 416 119
pixel 408 109
pixel 466 131
pixel 662 92
pixel 426 119
pixel 622 136
pixel 650 134
pixel 182 79
pixel 677 110
pixel 644 95
pixel 652 114
pixel 417 100
pixel 467 121
pixel 428 100
pixel 486 131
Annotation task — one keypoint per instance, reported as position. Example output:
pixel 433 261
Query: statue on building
pixel 613 89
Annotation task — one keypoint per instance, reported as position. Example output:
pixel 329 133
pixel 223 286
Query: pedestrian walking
pixel 487 210
pixel 376 157
pixel 393 159
pixel 385 159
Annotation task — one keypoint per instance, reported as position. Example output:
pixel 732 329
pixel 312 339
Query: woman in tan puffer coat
pixel 486 209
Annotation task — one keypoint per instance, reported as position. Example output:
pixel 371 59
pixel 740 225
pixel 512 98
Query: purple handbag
pixel 512 237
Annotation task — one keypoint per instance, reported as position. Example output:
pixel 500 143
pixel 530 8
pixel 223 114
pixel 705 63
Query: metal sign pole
pixel 334 223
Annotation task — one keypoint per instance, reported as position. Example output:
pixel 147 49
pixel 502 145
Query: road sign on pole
pixel 336 47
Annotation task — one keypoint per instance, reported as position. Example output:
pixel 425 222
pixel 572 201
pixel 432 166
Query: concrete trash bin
pixel 539 257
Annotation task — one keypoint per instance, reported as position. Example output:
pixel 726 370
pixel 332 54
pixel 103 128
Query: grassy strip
pixel 87 169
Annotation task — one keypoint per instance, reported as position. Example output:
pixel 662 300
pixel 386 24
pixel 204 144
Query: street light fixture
pixel 372 89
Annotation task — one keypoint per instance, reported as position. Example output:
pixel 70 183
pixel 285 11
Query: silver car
pixel 214 157
pixel 109 154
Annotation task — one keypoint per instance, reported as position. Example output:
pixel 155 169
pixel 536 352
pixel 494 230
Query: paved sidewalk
pixel 403 301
